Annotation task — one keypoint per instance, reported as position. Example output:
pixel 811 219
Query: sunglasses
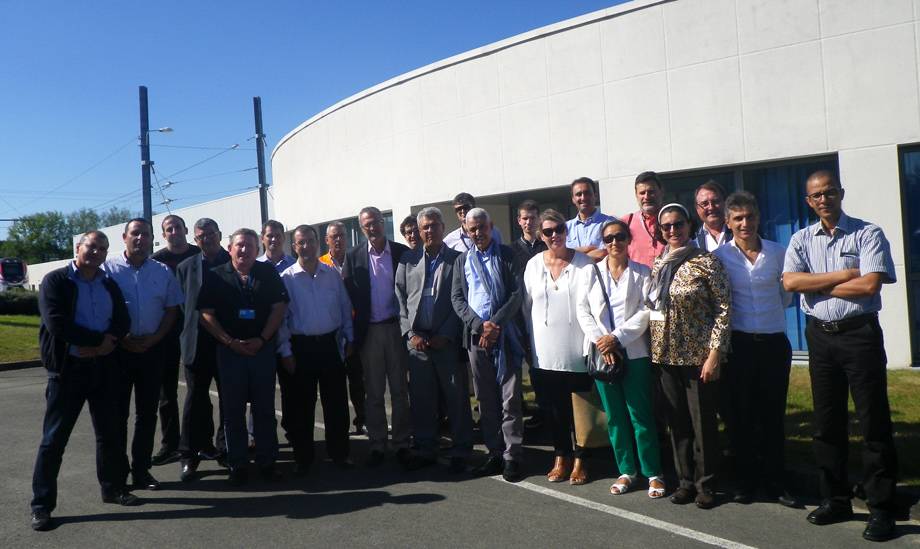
pixel 463 208
pixel 677 225
pixel 550 231
pixel 619 237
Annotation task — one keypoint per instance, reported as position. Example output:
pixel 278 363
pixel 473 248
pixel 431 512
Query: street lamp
pixel 146 163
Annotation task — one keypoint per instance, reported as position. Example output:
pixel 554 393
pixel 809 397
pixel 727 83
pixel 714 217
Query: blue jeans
pixel 98 384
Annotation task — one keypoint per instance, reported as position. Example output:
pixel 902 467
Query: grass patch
pixel 18 338
pixel 904 398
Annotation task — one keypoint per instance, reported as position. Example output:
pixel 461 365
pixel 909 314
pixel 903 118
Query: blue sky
pixel 70 71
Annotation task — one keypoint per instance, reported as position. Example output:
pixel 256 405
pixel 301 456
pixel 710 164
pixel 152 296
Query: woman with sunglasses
pixel 690 298
pixel 630 418
pixel 551 281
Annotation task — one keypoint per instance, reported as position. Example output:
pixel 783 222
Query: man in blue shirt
pixel 584 230
pixel 83 315
pixel 152 296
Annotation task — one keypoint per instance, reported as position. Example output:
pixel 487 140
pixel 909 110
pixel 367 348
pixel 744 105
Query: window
pixel 910 203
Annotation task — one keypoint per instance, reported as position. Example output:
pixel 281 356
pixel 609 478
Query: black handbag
pixel 597 367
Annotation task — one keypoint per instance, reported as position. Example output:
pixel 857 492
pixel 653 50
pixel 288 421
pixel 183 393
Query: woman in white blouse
pixel 630 419
pixel 551 282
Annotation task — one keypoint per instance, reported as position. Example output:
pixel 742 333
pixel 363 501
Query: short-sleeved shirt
pixel 587 232
pixel 147 291
pixel 171 259
pixel 855 244
pixel 285 262
pixel 222 291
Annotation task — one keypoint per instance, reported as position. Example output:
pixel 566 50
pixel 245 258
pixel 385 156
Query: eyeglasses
pixel 619 237
pixel 710 203
pixel 830 194
pixel 203 236
pixel 410 231
pixel 677 225
pixel 550 231
pixel 304 243
pixel 462 208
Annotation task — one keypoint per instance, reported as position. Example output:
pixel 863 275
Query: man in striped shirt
pixel 839 265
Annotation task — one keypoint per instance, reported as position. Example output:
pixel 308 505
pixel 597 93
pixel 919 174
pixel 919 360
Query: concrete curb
pixel 7 366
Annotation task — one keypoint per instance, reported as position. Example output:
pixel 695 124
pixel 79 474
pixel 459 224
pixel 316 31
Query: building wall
pixel 666 86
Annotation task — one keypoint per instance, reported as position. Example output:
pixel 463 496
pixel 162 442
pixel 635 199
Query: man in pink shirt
pixel 649 194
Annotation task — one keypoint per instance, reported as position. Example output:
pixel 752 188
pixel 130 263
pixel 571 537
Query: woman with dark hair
pixel 551 282
pixel 691 305
pixel 613 315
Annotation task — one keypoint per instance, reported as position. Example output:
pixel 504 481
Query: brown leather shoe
pixel 560 469
pixel 579 473
pixel 682 496
pixel 705 500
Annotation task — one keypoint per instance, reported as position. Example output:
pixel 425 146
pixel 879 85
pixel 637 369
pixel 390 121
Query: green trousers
pixel 630 417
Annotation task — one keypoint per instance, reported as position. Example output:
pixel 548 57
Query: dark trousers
pixel 559 387
pixel 198 413
pixel 318 363
pixel 142 375
pixel 854 361
pixel 690 406
pixel 432 373
pixel 249 379
pixel 288 392
pixel 98 384
pixel 169 400
pixel 757 382
pixel 355 372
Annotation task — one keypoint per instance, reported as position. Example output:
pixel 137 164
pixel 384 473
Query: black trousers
pixel 855 361
pixel 559 386
pixel 318 363
pixel 142 375
pixel 355 372
pixel 169 401
pixel 286 385
pixel 198 412
pixel 691 406
pixel 756 379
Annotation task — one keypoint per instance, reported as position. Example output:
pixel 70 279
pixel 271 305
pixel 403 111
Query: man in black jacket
pixel 83 315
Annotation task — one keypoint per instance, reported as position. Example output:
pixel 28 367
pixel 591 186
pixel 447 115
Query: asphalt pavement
pixel 374 507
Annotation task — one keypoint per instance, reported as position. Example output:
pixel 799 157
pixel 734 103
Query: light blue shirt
pixel 286 261
pixel 587 232
pixel 478 297
pixel 147 291
pixel 460 241
pixel 855 244
pixel 94 303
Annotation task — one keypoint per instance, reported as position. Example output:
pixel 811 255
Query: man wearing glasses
pixel 459 239
pixel 409 229
pixel 200 358
pixel 839 265
pixel 710 206
pixel 369 275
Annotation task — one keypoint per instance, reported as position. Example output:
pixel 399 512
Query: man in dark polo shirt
pixel 242 304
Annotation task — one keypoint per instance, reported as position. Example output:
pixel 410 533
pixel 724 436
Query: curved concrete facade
pixel 667 86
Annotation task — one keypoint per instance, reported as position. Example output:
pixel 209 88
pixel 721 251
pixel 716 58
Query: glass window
pixel 910 202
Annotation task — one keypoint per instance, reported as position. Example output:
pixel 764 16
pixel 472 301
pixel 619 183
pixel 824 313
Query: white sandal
pixel 617 489
pixel 656 493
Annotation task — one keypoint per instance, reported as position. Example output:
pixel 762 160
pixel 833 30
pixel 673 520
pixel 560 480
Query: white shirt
pixel 319 305
pixel 758 299
pixel 556 336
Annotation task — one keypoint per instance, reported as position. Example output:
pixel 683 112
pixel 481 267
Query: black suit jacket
pixel 357 278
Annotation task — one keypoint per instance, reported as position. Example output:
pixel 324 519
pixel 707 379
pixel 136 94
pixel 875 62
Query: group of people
pixel 697 315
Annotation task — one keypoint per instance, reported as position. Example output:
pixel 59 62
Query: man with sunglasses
pixel 199 356
pixel 459 239
pixel 710 206
pixel 839 265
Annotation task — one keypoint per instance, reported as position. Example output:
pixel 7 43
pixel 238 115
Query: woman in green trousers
pixel 628 403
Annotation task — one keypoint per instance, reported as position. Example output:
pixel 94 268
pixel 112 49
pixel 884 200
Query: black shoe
pixel 145 481
pixel 222 460
pixel 829 513
pixel 879 528
pixel 417 463
pixel 189 471
pixel 121 497
pixel 209 454
pixel 301 468
pixel 743 496
pixel 343 463
pixel 374 459
pixel 492 466
pixel 535 420
pixel 361 430
pixel 788 500
pixel 270 473
pixel 683 496
pixel 457 465
pixel 511 471
pixel 40 520
pixel 238 476
pixel 706 500
pixel 403 456
pixel 165 456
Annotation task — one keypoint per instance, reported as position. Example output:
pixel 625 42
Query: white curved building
pixel 756 94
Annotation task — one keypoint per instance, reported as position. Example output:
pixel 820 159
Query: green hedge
pixel 19 302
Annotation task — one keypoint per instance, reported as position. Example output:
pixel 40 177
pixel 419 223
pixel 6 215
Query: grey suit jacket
pixel 410 281
pixel 189 274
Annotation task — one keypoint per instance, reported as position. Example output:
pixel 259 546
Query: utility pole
pixel 260 156
pixel 146 164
